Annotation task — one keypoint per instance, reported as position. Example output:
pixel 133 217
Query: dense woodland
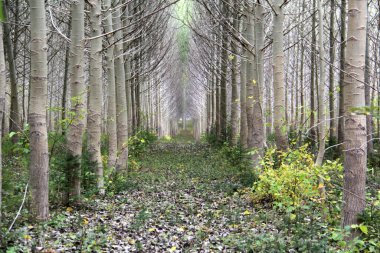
pixel 190 126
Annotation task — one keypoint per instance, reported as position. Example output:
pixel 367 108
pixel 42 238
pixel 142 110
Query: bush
pixel 234 155
pixel 211 137
pixel 293 180
pixel 139 143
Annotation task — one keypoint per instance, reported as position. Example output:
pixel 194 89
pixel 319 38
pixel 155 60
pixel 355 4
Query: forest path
pixel 183 199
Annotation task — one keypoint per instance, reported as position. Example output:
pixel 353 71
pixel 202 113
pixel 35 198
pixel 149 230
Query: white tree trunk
pixel 39 154
pixel 355 159
pixel 121 96
pixel 2 106
pixel 243 90
pixel 321 91
pixel 95 93
pixel 234 84
pixel 111 113
pixel 78 96
pixel 278 78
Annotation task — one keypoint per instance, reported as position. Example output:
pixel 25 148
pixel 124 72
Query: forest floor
pixel 182 200
pixel 184 197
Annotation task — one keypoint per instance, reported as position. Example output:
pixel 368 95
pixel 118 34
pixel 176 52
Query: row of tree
pixel 96 67
pixel 277 68
pixel 242 70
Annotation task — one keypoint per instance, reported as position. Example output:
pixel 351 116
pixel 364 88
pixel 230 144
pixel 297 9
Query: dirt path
pixel 184 199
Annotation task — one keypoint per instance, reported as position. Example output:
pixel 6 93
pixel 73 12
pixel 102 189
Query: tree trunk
pixel 15 119
pixel 343 15
pixel 331 73
pixel 111 94
pixel 121 96
pixel 234 73
pixel 95 93
pixel 278 82
pixel 355 161
pixel 39 154
pixel 313 78
pixel 243 91
pixel 217 93
pixel 368 97
pixel 321 91
pixel 127 68
pixel 258 126
pixel 302 84
pixel 223 73
pixel 64 88
pixel 2 107
pixel 78 97
pixel 251 79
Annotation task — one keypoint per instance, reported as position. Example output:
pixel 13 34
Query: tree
pixel 333 130
pixel 39 154
pixel 121 95
pixel 15 119
pixel 95 93
pixel 243 89
pixel 78 97
pixel 355 138
pixel 278 77
pixel 321 91
pixel 254 84
pixel 343 14
pixel 258 126
pixel 234 84
pixel 223 71
pixel 251 79
pixel 111 90
pixel 313 77
pixel 2 106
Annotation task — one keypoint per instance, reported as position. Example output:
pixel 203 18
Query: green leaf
pixel 2 17
pixel 11 134
pixel 364 229
pixel 342 244
pixel 11 250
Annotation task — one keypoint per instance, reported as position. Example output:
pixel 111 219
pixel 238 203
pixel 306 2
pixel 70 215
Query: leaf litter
pixel 180 201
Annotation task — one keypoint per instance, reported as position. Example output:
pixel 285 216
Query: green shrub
pixel 234 155
pixel 293 181
pixel 139 143
pixel 212 138
pixel 334 150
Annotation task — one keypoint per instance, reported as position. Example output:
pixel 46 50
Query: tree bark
pixel 302 84
pixel 355 161
pixel 258 126
pixel 234 73
pixel 278 82
pixel 333 129
pixel 121 96
pixel 127 67
pixel 223 73
pixel 2 108
pixel 251 79
pixel 78 97
pixel 368 97
pixel 343 15
pixel 64 88
pixel 111 94
pixel 313 78
pixel 95 93
pixel 243 91
pixel 39 154
pixel 321 91
pixel 15 117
